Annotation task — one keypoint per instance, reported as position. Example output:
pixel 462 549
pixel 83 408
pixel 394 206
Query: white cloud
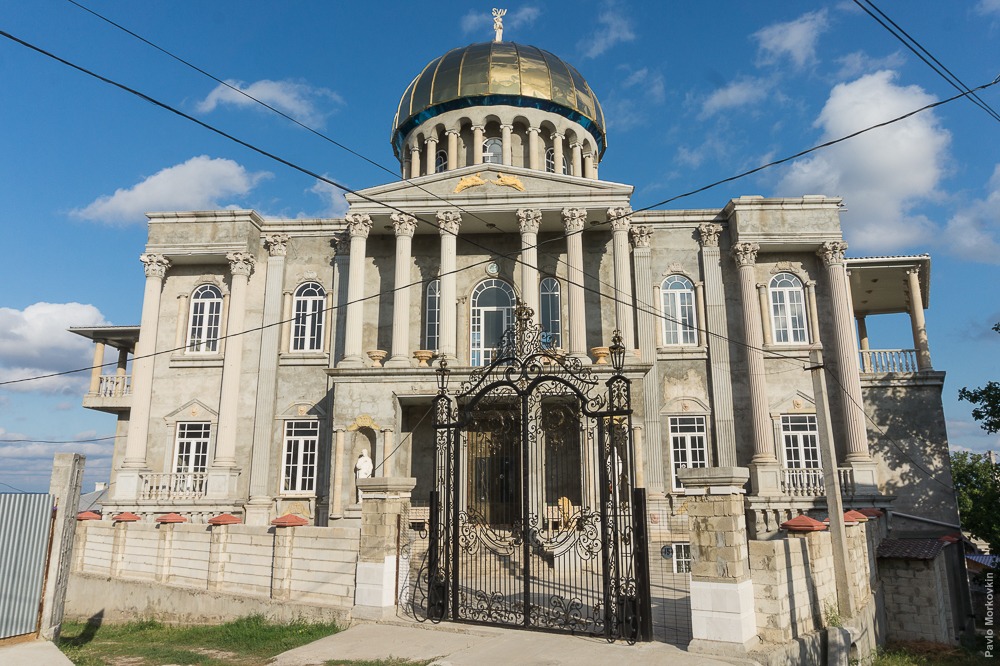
pixel 614 27
pixel 478 21
pixel 651 83
pixel 857 63
pixel 305 103
pixel 28 465
pixel 974 231
pixel 736 94
pixel 335 203
pixel 795 40
pixel 197 184
pixel 883 174
pixel 34 341
pixel 988 7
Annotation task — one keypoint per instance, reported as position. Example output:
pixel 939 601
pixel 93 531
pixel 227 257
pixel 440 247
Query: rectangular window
pixel 301 446
pixel 433 316
pixel 206 317
pixel 682 557
pixel 192 447
pixel 687 444
pixel 800 437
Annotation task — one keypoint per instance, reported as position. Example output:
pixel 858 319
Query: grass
pixel 921 653
pixel 249 641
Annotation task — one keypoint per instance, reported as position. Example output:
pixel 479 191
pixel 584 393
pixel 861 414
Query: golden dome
pixel 493 73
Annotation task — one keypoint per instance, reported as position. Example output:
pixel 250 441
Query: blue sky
pixel 692 92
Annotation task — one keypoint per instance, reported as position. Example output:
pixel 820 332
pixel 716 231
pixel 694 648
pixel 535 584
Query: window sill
pixel 796 350
pixel 303 358
pixel 681 352
pixel 192 360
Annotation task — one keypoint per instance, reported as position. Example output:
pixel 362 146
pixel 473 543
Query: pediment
pixel 487 196
pixel 795 402
pixel 193 410
pixel 302 409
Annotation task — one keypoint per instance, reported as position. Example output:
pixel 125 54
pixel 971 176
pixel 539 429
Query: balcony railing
pixel 808 482
pixel 888 360
pixel 173 486
pixel 114 386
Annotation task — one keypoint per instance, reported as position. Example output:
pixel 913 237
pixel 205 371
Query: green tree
pixel 977 484
pixel 987 401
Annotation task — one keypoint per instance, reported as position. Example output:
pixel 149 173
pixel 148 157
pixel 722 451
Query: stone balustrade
pixel 888 360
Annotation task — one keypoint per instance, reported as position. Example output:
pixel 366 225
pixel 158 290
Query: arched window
pixel 206 315
pixel 680 326
pixel 492 314
pixel 550 162
pixel 440 161
pixel 432 317
pixel 492 151
pixel 788 311
pixel 549 317
pixel 310 306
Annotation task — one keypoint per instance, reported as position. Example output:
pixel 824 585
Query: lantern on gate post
pixel 617 352
pixel 442 376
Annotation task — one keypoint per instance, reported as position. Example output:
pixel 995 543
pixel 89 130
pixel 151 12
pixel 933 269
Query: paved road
pixel 463 645
pixel 33 653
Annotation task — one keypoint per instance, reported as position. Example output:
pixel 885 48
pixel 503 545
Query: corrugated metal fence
pixel 25 525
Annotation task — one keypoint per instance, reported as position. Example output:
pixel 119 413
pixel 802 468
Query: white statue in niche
pixel 363 469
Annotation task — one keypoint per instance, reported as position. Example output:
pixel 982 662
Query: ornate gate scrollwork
pixel 534 521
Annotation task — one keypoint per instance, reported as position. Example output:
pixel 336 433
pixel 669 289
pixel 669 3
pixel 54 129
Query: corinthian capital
pixel 641 234
pixel 155 265
pixel 404 224
pixel 832 252
pixel 241 263
pixel 276 244
pixel 574 218
pixel 745 254
pixel 708 233
pixel 359 224
pixel 528 220
pixel 620 218
pixel 449 221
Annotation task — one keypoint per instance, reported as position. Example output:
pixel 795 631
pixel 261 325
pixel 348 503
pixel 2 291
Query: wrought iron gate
pixel 534 522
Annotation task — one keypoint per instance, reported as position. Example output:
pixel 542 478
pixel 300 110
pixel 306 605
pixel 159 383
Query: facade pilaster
pixel 414 161
pixel 577 159
pixel 477 144
pixel 621 220
pixel 558 153
pixel 452 149
pixel 765 315
pixel 528 220
pixel 917 322
pixel 846 355
pixel 507 152
pixel 653 454
pixel 717 339
pixel 431 150
pixel 404 225
pixel 449 222
pixel 337 493
pixel 765 473
pixel 258 509
pixel 358 226
pixel 588 165
pixel 127 487
pixel 574 220
pixel 533 143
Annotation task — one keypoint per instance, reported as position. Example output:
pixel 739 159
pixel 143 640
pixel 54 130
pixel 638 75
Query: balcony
pixel 881 361
pixel 113 394
pixel 808 482
pixel 173 487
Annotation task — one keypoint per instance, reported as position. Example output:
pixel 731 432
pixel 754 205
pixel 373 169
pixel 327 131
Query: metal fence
pixel 25 529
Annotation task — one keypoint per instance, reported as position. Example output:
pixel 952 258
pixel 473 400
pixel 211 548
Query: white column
pixel 448 224
pixel 846 355
pixel 917 322
pixel 477 144
pixel 404 226
pixel 577 149
pixel 814 310
pixel 431 148
pixel 699 305
pixel 452 149
pixel 557 151
pixel 286 322
pixel 384 453
pixel 95 372
pixel 358 225
pixel 574 220
pixel 259 507
pixel 533 143
pixel 337 507
pixel 414 161
pixel 156 266
pixel 508 149
pixel 528 220
pixel 765 316
pixel 180 338
pixel 588 166
pixel 745 255
pixel 620 220
pixel 241 265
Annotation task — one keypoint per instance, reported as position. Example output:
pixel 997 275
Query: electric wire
pixel 771 353
pixel 54 441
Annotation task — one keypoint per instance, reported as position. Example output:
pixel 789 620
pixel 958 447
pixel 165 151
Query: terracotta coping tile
pixel 856 516
pixel 126 517
pixel 289 520
pixel 170 518
pixel 803 523
pixel 88 515
pixel 871 513
pixel 224 519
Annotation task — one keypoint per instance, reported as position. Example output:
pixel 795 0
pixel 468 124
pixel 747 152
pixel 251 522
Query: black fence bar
pixel 640 554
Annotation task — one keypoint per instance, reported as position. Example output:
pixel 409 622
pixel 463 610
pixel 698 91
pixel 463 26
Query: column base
pixel 765 479
pixel 398 361
pixel 352 362
pixel 222 482
pixel 128 484
pixel 723 617
pixel 865 476
pixel 258 511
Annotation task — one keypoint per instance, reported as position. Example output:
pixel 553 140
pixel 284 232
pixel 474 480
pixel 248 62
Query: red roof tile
pixel 289 520
pixel 910 549
pixel 126 517
pixel 171 518
pixel 88 515
pixel 224 519
pixel 871 513
pixel 803 523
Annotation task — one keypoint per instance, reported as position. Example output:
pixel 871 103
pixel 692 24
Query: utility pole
pixel 831 484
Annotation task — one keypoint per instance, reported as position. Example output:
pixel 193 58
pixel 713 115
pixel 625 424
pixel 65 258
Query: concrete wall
pixel 256 567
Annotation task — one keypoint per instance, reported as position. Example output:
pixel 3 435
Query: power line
pixel 13 488
pixel 53 441
pixel 918 49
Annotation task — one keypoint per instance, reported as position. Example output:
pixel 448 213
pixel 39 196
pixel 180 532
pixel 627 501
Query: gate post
pixel 384 499
pixel 67 476
pixel 723 617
